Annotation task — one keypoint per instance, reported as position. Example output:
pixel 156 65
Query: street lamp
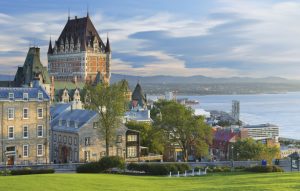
pixel 232 159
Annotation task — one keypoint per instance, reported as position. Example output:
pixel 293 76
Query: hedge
pixel 31 171
pixel 93 167
pixel 158 169
pixel 105 164
pixel 264 169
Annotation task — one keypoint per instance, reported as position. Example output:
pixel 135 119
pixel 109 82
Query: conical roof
pixel 139 96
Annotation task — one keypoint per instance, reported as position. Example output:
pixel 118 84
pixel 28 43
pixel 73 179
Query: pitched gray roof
pixel 18 93
pixel 78 116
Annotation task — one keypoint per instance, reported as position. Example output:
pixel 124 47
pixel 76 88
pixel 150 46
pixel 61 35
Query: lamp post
pixel 232 166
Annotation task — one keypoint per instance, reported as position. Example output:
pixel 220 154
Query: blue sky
pixel 216 38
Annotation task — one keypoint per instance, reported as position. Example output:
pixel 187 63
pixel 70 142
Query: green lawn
pixel 240 182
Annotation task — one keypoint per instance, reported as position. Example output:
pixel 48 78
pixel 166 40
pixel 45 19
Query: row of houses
pixel 33 132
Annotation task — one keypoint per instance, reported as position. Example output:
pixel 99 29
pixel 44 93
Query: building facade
pixel 79 53
pixel 24 124
pixel 75 137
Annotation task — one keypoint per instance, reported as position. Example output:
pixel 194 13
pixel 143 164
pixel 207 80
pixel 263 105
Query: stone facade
pixel 24 124
pixel 76 137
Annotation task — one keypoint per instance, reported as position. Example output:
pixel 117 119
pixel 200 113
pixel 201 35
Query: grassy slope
pixel 74 182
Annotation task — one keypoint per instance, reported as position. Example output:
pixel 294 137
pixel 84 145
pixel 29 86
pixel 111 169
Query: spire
pixel 87 10
pixel 107 47
pixel 98 79
pixel 50 49
pixel 68 14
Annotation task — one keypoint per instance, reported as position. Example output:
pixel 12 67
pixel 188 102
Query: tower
pixel 235 112
pixel 79 51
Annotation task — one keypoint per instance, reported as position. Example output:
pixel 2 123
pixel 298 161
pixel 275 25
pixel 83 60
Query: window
pixel 55 137
pixel 70 140
pixel 75 141
pixel 25 132
pixel 39 150
pixel 119 152
pixel 40 113
pixel 87 141
pixel 119 138
pixel 131 138
pixel 25 96
pixel 25 150
pixel 40 131
pixel 25 113
pixel 95 125
pixel 11 96
pixel 65 139
pixel 11 113
pixel 86 156
pixel 11 132
pixel 40 96
pixel 59 138
pixel 131 151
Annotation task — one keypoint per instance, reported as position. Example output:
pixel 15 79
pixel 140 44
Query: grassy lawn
pixel 240 182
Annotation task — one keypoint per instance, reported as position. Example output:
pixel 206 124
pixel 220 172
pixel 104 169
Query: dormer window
pixel 76 124
pixel 11 96
pixel 40 96
pixel 25 96
pixel 60 122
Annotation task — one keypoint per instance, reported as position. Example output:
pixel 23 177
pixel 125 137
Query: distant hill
pixel 194 79
pixel 160 79
pixel 4 77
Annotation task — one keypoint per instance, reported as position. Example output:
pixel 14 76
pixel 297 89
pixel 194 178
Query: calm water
pixel 280 109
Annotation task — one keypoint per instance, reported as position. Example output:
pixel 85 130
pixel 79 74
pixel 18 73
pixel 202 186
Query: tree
pixel 250 149
pixel 151 137
pixel 108 102
pixel 183 128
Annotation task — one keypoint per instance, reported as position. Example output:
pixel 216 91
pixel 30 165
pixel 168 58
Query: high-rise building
pixel 235 112
pixel 79 53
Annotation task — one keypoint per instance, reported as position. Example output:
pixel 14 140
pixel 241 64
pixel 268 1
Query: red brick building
pixel 79 53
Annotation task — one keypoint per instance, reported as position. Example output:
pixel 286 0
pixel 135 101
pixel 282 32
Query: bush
pixel 93 167
pixel 264 169
pixel 109 162
pixel 158 168
pixel 182 167
pixel 105 164
pixel 30 171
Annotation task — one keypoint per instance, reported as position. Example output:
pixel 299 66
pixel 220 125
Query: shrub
pixel 182 167
pixel 264 169
pixel 93 167
pixel 158 168
pixel 109 162
pixel 31 171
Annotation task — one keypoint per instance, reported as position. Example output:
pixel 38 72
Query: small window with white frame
pixel 11 96
pixel 40 96
pixel 39 150
pixel 40 131
pixel 11 113
pixel 25 96
pixel 25 132
pixel 25 150
pixel 11 134
pixel 25 113
pixel 40 113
